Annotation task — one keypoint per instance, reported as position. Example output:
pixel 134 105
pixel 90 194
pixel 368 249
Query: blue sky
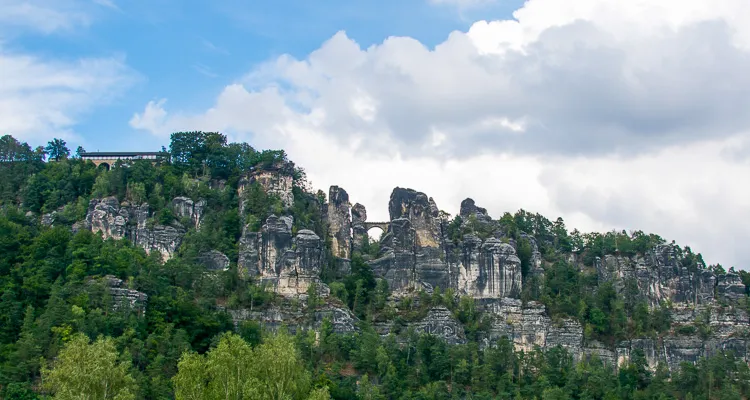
pixel 187 51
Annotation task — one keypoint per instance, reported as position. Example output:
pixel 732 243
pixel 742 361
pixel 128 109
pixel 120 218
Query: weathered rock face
pixel 661 276
pixel 430 270
pixel 730 287
pixel 277 180
pixel 398 260
pixel 302 270
pixel 289 264
pixel 441 323
pixel 421 250
pixel 724 329
pixel 123 297
pixel 420 211
pixel 528 326
pixel 124 221
pixel 490 269
pixel 438 322
pixel 469 207
pixel 295 319
pixel 249 262
pixel 214 260
pixel 106 216
pixel 163 239
pixel 185 208
pixel 359 231
pixel 260 252
pixel 339 222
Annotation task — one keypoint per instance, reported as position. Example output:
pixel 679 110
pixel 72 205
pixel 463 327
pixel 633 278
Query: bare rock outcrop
pixel 730 287
pixel 438 322
pixel 295 319
pixel 185 207
pixel 427 263
pixel 214 260
pixel 398 257
pixel 422 249
pixel 661 275
pixel 277 180
pixel 123 298
pixel 527 326
pixel 125 221
pixel 339 222
pixel 421 211
pixel 490 269
pixel 359 230
pixel 290 264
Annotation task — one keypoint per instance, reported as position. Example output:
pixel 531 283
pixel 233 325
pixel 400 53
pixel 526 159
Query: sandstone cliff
pixel 276 180
pixel 418 253
pixel 424 249
pixel 121 220
pixel 289 263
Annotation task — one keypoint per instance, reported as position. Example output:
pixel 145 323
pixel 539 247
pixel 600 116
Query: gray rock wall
pixel 117 220
pixel 290 264
pixel 277 180
pixel 339 222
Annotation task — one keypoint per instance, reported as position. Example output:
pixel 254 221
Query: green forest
pixel 62 337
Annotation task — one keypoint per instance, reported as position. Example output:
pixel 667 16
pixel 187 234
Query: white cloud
pixel 46 16
pixel 611 114
pixel 205 70
pixel 41 98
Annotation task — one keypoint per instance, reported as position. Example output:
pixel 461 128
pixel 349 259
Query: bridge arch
pixel 383 226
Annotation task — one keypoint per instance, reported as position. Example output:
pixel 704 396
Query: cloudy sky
pixel 612 114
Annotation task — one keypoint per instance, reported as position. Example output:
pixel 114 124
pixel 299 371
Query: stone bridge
pixel 382 225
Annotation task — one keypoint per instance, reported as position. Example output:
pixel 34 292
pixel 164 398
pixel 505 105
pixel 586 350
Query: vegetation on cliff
pixel 62 334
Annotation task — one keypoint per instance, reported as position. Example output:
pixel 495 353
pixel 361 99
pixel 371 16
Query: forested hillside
pixel 216 272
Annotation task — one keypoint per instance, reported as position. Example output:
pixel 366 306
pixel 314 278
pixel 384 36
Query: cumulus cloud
pixel 40 97
pixel 614 115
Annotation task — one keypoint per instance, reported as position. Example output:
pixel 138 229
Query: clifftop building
pixel 108 158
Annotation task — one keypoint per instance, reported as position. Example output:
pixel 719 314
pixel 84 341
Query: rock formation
pixel 429 267
pixel 124 221
pixel 418 252
pixel 289 264
pixel 277 180
pixel 490 269
pixel 122 297
pixel 730 287
pixel 294 318
pixel 359 230
pixel 661 276
pixel 214 260
pixel 339 222
pixel 439 322
pixel 186 208
pixel 527 326
pixel 398 260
